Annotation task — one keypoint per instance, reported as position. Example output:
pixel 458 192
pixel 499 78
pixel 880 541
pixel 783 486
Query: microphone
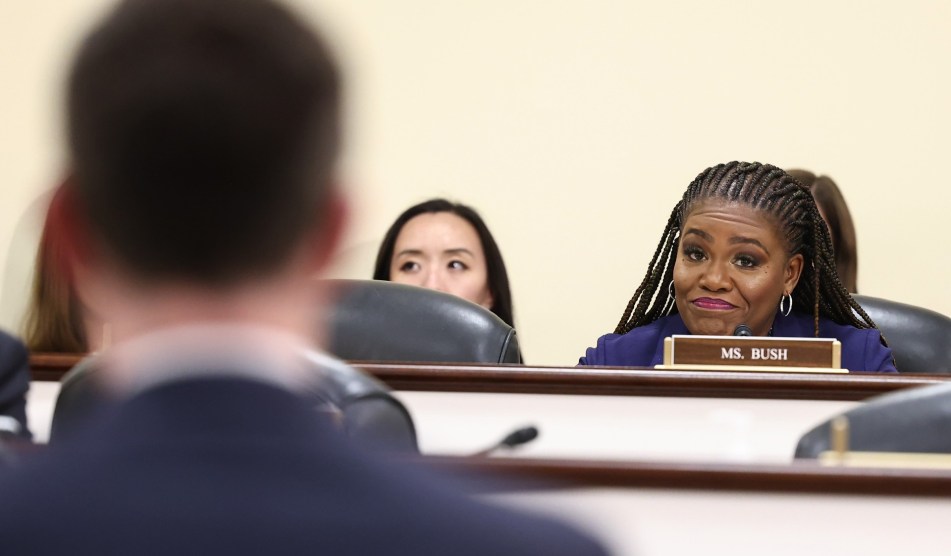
pixel 515 438
pixel 742 330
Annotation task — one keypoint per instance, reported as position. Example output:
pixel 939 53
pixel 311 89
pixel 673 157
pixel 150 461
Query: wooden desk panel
pixel 50 367
pixel 610 381
pixel 657 507
pixel 618 428
pixel 578 426
pixel 606 413
pixel 522 474
pixel 675 509
pixel 599 381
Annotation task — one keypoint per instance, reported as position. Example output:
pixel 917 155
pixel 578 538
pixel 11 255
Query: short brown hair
pixel 203 136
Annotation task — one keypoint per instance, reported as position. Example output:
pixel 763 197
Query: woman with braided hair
pixel 745 245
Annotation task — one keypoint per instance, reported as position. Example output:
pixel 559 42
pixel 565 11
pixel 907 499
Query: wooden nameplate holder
pixel 753 353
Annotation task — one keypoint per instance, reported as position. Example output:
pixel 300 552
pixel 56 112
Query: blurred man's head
pixel 203 136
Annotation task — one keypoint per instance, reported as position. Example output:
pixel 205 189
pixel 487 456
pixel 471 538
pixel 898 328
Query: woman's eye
pixel 746 261
pixel 457 265
pixel 694 253
pixel 409 266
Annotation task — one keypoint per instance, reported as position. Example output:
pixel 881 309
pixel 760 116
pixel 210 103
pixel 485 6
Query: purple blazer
pixel 862 349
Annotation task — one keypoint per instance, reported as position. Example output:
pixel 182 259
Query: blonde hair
pixel 54 318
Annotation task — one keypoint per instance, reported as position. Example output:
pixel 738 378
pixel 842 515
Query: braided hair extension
pixel 769 189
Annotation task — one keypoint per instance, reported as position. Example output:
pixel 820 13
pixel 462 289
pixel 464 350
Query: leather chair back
pixel 369 415
pixel 920 338
pixel 374 320
pixel 910 420
pixel 370 321
pixel 80 396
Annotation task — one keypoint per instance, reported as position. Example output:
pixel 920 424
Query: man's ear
pixel 329 229
pixel 792 273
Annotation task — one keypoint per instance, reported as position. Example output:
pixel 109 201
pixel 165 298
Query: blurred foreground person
pixel 14 383
pixel 203 136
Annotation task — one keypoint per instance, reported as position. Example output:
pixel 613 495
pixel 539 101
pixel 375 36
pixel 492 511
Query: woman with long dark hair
pixel 446 246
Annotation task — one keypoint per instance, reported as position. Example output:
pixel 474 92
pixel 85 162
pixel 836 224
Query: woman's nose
pixel 715 278
pixel 434 281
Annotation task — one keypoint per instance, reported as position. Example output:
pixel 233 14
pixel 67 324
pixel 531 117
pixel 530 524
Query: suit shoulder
pixel 848 334
pixel 494 530
pixel 635 348
pixel 11 348
pixel 862 348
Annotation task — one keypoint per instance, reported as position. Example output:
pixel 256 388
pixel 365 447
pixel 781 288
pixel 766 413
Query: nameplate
pixel 747 353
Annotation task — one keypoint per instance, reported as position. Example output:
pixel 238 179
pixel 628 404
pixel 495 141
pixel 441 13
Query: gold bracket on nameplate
pixel 745 353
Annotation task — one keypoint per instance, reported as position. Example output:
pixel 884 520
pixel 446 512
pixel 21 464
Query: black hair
pixel 495 267
pixel 773 191
pixel 203 136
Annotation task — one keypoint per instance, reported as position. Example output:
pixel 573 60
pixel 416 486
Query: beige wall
pixel 574 127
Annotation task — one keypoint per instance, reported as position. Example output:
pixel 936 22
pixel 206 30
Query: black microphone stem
pixel 515 438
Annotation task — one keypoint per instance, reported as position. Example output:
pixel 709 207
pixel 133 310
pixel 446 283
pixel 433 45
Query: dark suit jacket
pixel 232 466
pixel 14 380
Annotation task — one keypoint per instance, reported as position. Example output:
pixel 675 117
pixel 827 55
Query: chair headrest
pixel 374 320
pixel 370 415
pixel 920 338
pixel 910 420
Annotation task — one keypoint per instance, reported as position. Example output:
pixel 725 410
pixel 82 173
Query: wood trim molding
pixel 604 381
pixel 599 381
pixel 805 477
pixel 50 367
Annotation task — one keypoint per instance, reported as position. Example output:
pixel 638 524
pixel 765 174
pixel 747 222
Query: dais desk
pixel 618 414
pixel 606 381
pixel 603 413
pixel 691 460
pixel 627 381
pixel 721 494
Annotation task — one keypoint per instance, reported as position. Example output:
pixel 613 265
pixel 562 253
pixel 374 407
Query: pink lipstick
pixel 712 304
